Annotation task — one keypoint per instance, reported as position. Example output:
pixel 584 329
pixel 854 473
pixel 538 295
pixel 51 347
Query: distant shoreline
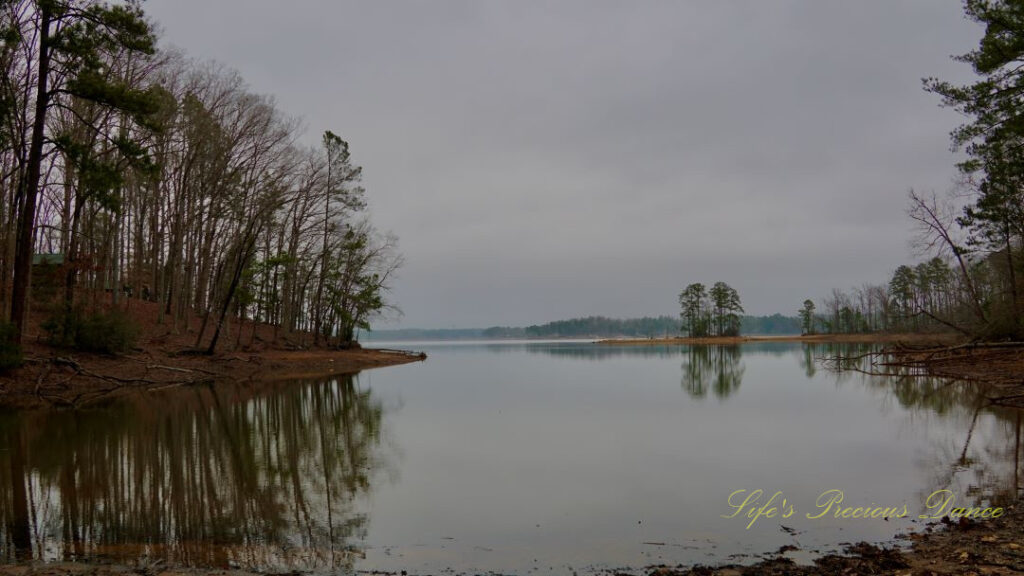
pixel 822 338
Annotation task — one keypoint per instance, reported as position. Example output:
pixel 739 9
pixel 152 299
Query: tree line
pixel 588 327
pixel 926 297
pixel 158 177
pixel 974 236
pixel 646 327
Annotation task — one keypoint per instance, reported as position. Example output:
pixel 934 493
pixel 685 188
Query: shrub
pixel 10 353
pixel 104 332
pixel 62 324
pixel 109 333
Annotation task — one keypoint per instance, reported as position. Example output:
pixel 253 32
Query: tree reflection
pixel 205 477
pixel 980 461
pixel 808 361
pixel 597 351
pixel 608 351
pixel 715 368
pixel 841 358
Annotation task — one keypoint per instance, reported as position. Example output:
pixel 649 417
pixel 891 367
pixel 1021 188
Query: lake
pixel 516 457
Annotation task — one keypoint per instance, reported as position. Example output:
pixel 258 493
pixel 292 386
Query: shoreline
pixel 943 548
pixel 165 356
pixel 53 377
pixel 47 381
pixel 811 338
pixel 1001 368
pixel 953 548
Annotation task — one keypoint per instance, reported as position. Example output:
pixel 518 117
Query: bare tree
pixel 936 234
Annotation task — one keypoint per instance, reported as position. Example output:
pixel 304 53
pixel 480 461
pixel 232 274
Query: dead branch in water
pixel 1006 399
pixel 420 355
pixel 999 366
pixel 966 346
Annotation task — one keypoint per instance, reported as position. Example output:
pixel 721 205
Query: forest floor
pixel 165 356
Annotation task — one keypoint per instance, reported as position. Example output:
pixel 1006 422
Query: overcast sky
pixel 547 160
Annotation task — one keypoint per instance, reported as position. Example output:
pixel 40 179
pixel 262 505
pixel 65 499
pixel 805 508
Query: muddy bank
pixel 978 547
pixel 165 355
pixel 62 378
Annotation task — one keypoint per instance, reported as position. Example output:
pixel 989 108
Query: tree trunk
pixel 1014 304
pixel 236 276
pixel 30 187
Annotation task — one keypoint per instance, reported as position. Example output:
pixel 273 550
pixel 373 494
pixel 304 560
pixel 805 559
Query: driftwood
pixel 150 366
pixel 186 370
pixel 420 355
pixel 71 363
pixel 117 383
pixel 42 376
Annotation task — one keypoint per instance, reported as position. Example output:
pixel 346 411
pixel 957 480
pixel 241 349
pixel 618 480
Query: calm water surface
pixel 513 458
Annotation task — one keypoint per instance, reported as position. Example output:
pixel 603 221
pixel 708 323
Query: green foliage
pixel 694 302
pixel 727 309
pixel 441 334
pixel 774 324
pixel 714 312
pixel 591 327
pixel 99 176
pixel 927 297
pixel 341 173
pixel 807 317
pixel 83 47
pixel 61 326
pixel 97 29
pixel 993 140
pixel 10 351
pixel 110 332
pixel 1001 326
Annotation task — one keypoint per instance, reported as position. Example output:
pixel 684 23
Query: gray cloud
pixel 549 160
